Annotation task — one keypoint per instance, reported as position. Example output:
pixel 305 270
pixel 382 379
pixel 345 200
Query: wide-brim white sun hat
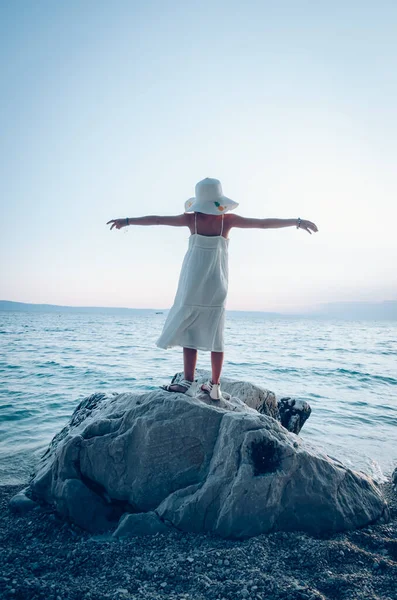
pixel 209 199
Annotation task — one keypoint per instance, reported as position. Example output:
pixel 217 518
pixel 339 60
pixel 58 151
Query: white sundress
pixel 197 317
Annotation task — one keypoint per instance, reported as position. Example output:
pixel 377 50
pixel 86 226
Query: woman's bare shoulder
pixel 234 219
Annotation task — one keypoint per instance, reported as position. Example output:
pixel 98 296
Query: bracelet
pixel 128 221
pixel 299 222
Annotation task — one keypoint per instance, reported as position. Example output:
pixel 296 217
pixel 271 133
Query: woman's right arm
pixel 173 221
pixel 247 223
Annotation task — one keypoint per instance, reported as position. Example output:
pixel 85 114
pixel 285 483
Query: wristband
pixel 299 222
pixel 128 221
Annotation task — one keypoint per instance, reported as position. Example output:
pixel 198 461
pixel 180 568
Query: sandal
pixel 213 390
pixel 188 386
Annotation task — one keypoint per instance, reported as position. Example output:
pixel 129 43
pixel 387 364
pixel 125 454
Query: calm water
pixel 347 371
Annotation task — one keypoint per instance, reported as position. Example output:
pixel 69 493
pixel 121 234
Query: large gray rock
pixel 140 524
pixel 21 503
pixel 293 413
pixel 196 465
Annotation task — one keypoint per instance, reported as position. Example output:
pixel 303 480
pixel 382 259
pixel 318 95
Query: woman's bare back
pixel 209 225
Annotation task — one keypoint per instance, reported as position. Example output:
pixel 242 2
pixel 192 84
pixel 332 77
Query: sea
pixel 345 370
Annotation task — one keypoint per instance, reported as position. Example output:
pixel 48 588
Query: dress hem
pixel 201 348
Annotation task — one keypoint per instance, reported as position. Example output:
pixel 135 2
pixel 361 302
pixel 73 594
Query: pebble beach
pixel 45 557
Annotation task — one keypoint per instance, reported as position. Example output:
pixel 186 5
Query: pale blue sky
pixel 111 109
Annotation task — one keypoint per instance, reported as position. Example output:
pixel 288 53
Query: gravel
pixel 44 557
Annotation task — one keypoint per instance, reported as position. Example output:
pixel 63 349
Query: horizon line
pixel 299 311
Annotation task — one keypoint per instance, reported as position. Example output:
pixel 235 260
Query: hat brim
pixel 219 206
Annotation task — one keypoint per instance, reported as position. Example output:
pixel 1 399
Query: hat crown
pixel 209 198
pixel 208 190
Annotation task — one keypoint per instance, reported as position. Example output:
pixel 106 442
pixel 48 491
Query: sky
pixel 115 109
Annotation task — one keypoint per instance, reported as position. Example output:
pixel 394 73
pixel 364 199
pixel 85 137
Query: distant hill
pixel 7 305
pixel 358 310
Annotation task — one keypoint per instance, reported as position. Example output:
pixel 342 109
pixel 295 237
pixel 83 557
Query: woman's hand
pixel 308 226
pixel 117 223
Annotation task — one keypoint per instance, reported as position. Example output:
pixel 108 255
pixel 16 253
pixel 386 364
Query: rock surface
pixel 291 413
pixel 199 466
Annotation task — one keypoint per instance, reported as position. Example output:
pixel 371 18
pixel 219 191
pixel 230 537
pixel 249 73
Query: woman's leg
pixel 216 363
pixel 189 363
pixel 189 369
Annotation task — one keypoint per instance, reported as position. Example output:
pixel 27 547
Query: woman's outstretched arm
pixel 176 221
pixel 246 223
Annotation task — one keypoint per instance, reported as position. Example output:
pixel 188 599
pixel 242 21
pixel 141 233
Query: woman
pixel 196 319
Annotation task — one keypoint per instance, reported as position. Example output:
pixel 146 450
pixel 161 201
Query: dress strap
pixel 222 225
pixel 195 222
